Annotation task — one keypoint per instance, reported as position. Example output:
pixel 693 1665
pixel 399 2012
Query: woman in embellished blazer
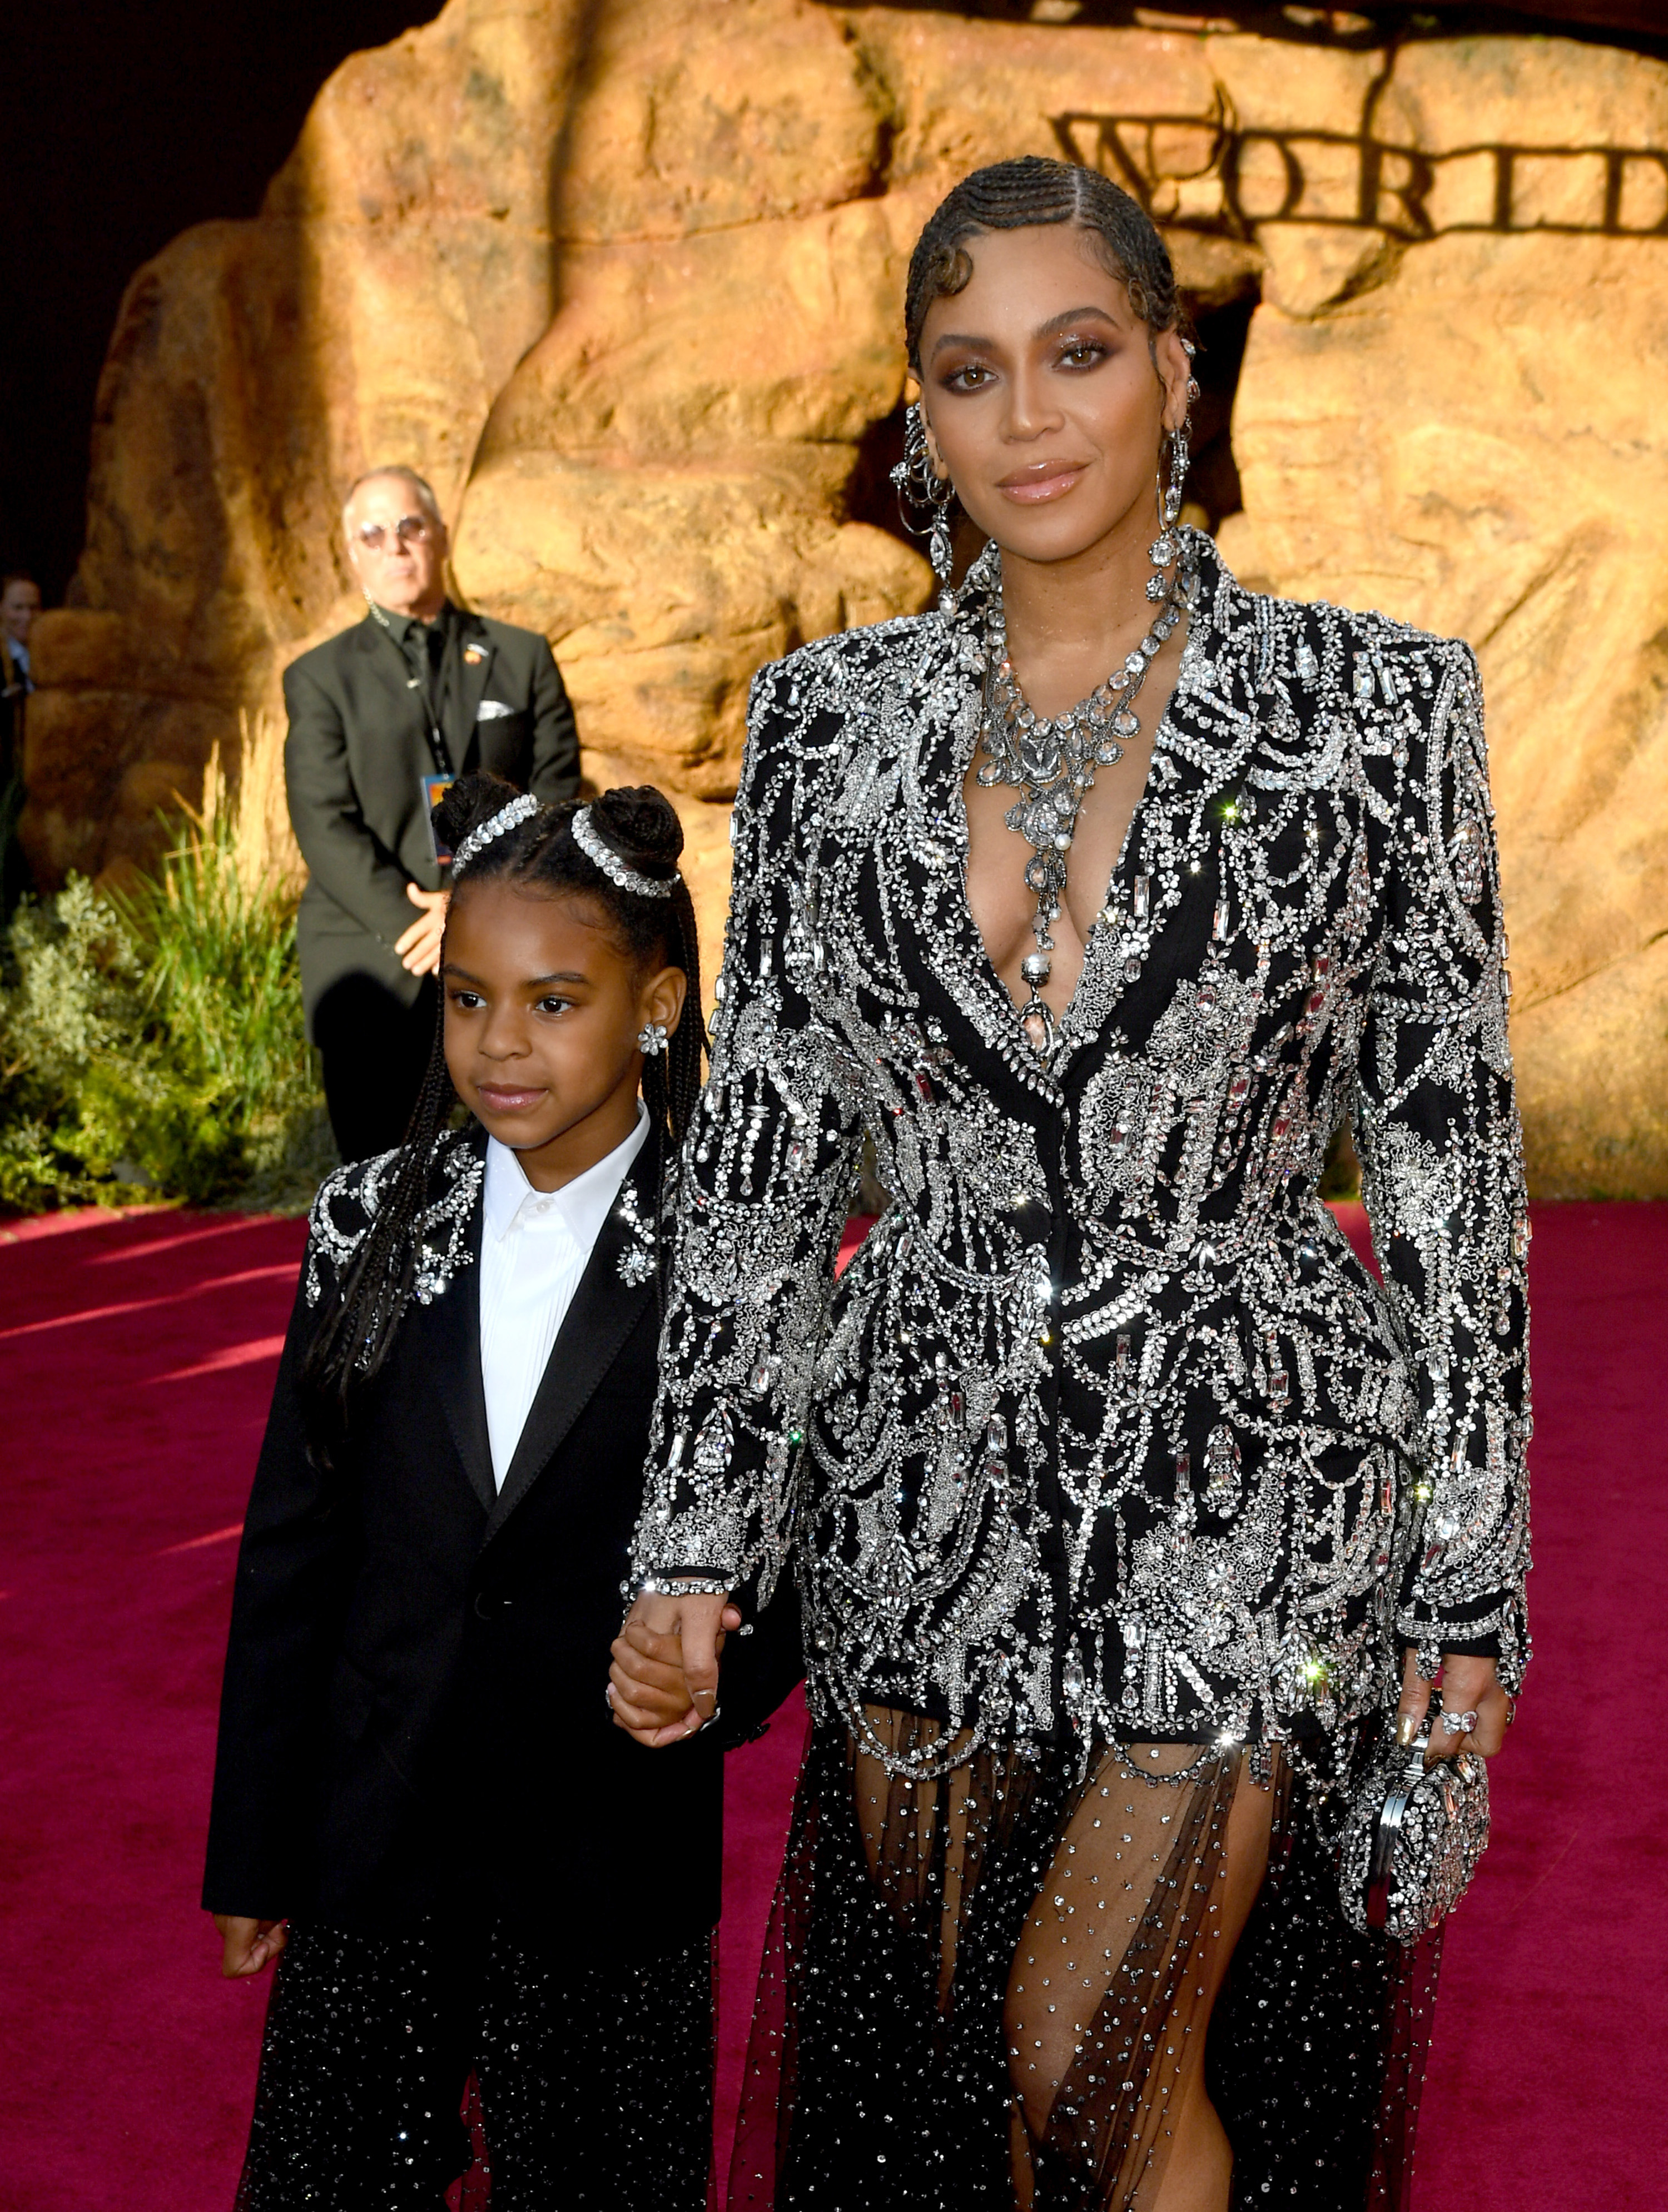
pixel 1125 1504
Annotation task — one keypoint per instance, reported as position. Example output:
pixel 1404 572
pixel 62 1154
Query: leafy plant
pixel 151 1039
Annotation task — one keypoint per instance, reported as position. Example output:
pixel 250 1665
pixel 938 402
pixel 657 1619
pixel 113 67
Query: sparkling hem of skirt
pixel 987 1991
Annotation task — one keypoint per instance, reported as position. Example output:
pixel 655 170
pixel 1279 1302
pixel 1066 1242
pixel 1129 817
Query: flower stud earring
pixel 651 1040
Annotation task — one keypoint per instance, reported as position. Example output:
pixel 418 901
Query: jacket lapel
pixel 391 667
pixel 456 1322
pixel 936 729
pixel 1174 844
pixel 607 1307
pixel 474 650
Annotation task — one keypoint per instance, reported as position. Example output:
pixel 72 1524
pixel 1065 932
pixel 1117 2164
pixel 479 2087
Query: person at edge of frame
pixel 20 603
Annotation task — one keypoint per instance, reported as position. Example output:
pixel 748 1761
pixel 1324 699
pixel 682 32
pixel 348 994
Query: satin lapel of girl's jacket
pixel 453 1331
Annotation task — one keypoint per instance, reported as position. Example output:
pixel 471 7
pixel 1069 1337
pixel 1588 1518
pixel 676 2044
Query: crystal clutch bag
pixel 1413 1838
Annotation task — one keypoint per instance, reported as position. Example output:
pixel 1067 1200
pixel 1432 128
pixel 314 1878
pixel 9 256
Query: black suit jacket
pixel 354 758
pixel 413 1716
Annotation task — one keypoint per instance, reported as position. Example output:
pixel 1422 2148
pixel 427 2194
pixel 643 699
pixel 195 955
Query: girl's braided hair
pixel 1014 195
pixel 541 855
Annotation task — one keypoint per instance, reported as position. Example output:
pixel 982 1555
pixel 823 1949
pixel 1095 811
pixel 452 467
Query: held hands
pixel 419 948
pixel 1469 1690
pixel 250 1945
pixel 663 1685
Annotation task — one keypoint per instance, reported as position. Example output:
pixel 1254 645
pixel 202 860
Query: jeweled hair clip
pixel 496 825
pixel 613 866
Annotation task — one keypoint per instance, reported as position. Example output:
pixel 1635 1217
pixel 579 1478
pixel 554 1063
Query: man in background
pixel 381 718
pixel 20 602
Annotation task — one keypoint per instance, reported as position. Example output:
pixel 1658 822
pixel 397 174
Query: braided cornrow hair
pixel 641 826
pixel 1014 195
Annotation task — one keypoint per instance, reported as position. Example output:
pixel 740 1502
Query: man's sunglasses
pixel 409 530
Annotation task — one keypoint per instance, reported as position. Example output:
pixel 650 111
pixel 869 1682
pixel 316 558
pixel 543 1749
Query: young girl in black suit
pixel 422 1808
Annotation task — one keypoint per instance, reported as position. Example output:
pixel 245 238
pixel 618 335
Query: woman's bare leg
pixel 1117 1969
pixel 1196 2176
pixel 917 1850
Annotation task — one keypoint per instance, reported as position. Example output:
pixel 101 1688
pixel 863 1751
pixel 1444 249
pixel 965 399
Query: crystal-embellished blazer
pixel 1106 1425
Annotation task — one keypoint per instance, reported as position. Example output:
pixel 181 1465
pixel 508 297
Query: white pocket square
pixel 491 710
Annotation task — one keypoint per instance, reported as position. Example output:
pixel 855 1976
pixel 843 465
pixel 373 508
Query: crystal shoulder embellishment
pixel 349 1203
pixel 637 1259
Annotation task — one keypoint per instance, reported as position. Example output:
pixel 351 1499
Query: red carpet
pixel 135 1354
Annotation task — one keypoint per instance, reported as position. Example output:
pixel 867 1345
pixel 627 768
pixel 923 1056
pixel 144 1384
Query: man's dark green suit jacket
pixel 354 762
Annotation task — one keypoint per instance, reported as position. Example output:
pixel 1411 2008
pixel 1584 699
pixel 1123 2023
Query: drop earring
pixel 921 488
pixel 1179 459
pixel 1167 545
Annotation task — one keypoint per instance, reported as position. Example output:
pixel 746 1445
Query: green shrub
pixel 151 1043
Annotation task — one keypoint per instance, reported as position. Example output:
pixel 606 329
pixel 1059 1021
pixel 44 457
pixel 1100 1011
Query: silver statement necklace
pixel 1051 760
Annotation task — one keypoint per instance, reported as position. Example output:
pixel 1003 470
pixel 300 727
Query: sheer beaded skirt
pixel 455 2069
pixel 992 1989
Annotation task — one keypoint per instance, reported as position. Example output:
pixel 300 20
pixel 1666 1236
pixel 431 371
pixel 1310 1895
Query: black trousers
pixel 375 1051
pixel 595 2079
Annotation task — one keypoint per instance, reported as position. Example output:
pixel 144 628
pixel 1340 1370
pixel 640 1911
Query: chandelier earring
pixel 921 489
pixel 1165 546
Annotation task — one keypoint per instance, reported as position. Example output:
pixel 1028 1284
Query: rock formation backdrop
pixel 623 278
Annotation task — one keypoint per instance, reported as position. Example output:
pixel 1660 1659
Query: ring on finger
pixel 1458 1723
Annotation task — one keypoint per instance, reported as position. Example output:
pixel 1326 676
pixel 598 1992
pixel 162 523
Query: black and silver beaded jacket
pixel 1105 1424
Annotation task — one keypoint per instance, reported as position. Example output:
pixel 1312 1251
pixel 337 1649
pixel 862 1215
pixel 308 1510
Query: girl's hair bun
pixel 641 824
pixel 471 800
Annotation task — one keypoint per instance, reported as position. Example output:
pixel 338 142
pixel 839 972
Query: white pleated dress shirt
pixel 535 1247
